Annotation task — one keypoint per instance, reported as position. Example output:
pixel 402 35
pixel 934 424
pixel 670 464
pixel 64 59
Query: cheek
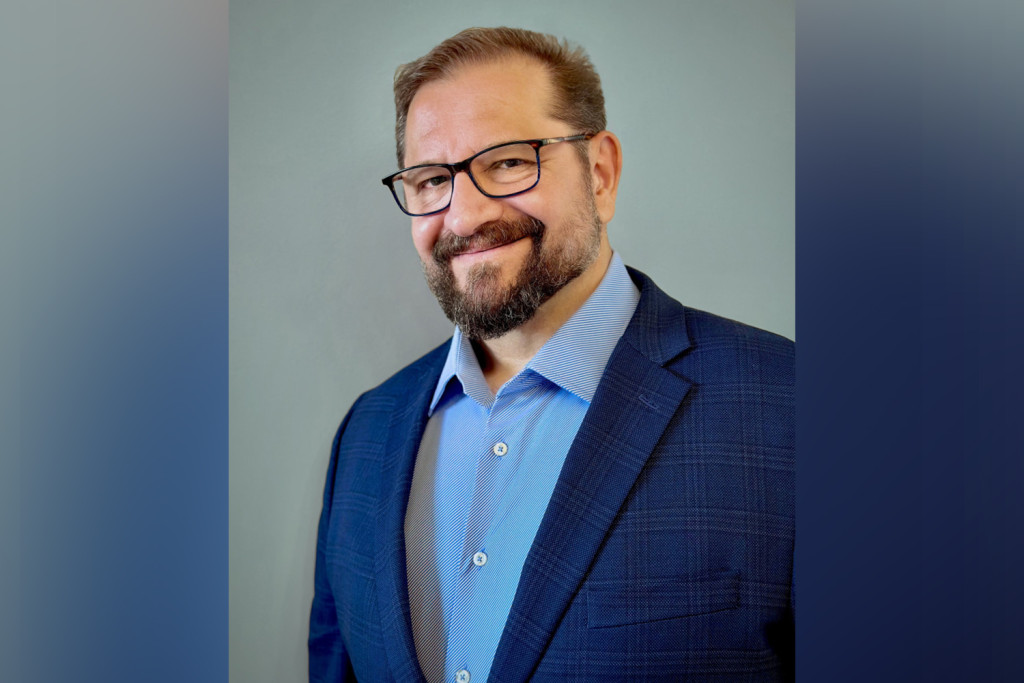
pixel 533 204
pixel 424 234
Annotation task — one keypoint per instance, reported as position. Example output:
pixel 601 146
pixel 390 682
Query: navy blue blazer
pixel 665 553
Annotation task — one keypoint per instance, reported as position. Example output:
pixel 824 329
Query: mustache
pixel 487 236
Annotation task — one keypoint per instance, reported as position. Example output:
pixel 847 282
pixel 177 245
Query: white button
pixel 461 676
pixel 500 449
pixel 480 559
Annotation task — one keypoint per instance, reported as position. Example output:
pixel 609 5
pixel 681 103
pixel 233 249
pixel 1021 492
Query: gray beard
pixel 483 310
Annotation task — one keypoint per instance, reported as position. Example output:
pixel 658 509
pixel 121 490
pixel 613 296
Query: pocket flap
pixel 619 603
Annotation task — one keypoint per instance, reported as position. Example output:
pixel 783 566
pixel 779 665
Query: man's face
pixel 493 262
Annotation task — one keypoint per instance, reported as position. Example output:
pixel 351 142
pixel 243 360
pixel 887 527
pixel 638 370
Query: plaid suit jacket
pixel 665 553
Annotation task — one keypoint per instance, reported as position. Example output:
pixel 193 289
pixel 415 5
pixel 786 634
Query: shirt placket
pixel 496 455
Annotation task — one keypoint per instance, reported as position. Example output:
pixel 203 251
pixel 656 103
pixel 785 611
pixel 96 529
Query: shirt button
pixel 500 449
pixel 461 676
pixel 479 559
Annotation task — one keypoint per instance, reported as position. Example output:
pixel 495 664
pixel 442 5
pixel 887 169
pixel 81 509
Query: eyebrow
pixel 482 149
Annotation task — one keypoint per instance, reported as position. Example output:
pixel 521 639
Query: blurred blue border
pixel 910 288
pixel 121 152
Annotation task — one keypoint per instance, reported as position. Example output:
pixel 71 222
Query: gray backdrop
pixel 326 295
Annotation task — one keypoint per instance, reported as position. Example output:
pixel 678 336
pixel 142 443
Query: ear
pixel 605 169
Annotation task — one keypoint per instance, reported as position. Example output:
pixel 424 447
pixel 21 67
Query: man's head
pixel 493 262
pixel 577 100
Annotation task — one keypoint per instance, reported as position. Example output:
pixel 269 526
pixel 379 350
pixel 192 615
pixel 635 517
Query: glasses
pixel 504 170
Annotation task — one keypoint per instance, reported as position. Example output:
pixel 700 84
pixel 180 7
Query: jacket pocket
pixel 618 603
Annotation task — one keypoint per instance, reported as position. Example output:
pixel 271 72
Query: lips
pixel 481 249
pixel 488 236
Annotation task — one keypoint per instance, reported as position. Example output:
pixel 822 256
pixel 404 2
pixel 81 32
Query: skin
pixel 481 105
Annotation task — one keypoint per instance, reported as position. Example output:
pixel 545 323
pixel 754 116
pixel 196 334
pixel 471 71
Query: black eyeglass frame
pixel 463 165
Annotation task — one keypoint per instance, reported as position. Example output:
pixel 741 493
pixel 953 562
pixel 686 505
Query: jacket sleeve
pixel 328 660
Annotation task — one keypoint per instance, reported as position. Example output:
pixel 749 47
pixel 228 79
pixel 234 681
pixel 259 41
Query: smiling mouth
pixel 472 251
pixel 487 237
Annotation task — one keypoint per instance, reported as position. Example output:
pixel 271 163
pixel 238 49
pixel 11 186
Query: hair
pixel 578 99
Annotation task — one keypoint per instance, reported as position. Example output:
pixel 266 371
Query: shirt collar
pixel 575 356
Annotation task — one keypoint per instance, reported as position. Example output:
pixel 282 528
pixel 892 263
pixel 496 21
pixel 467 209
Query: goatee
pixel 485 309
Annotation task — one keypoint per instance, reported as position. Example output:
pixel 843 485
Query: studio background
pixel 326 294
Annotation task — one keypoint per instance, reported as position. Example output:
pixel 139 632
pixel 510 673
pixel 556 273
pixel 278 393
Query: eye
pixel 432 182
pixel 507 164
pixel 426 180
pixel 514 161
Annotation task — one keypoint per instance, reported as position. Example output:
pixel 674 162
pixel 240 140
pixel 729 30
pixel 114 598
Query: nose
pixel 469 208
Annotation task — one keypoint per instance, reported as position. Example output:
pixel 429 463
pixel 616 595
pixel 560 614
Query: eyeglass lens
pixel 499 172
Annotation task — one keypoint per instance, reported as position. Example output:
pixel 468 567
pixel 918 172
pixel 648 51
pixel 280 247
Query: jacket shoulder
pixel 375 406
pixel 726 351
pixel 711 331
pixel 364 426
pixel 682 337
pixel 425 368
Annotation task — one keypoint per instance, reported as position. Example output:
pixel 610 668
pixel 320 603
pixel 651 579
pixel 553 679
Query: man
pixel 589 481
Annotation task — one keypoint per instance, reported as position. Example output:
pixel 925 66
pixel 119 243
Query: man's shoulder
pixel 424 369
pixel 739 353
pixel 711 330
pixel 706 338
pixel 377 406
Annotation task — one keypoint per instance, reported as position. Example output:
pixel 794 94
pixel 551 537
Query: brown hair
pixel 578 97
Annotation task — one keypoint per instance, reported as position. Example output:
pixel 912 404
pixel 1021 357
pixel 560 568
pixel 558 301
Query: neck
pixel 502 358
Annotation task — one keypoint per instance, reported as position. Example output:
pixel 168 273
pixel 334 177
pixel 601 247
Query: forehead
pixel 477 106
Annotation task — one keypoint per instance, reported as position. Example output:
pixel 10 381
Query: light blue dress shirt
pixel 484 475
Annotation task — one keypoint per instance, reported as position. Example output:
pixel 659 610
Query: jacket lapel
pixel 408 420
pixel 633 405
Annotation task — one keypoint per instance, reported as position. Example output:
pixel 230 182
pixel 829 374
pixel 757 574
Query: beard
pixel 486 308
